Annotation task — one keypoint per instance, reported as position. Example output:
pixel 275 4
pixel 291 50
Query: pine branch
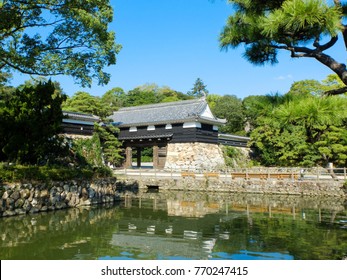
pixel 336 91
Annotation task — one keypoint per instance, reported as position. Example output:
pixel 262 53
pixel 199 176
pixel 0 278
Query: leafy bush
pixel 235 157
pixel 88 151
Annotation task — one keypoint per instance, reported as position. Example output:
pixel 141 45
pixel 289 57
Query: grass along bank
pixel 29 173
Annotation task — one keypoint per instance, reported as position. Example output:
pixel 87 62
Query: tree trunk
pixel 332 174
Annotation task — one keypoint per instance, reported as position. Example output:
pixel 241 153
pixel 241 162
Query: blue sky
pixel 174 42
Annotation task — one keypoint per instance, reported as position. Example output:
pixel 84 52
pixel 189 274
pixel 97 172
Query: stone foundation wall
pixel 286 187
pixel 194 156
pixel 23 198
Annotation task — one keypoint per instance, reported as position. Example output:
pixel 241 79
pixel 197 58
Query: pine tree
pixel 199 89
pixel 304 28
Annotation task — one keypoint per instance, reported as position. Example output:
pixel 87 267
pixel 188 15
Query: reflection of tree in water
pixel 60 235
pixel 298 237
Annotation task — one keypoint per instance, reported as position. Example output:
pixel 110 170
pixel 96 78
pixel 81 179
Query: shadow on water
pixel 183 225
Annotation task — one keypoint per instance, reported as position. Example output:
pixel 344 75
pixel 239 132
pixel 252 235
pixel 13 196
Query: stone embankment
pixel 286 187
pixel 23 198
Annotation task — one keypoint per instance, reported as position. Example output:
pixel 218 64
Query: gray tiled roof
pixel 163 113
pixel 81 116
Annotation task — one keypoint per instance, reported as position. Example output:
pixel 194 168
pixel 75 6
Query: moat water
pixel 177 225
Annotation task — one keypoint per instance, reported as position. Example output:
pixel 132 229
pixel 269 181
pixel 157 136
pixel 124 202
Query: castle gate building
pixel 78 125
pixel 183 134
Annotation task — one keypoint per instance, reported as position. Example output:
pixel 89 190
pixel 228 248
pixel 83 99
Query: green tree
pixel 58 37
pixel 150 94
pixel 304 28
pixel 111 101
pixel 4 78
pixel 103 147
pixel 33 82
pixel 143 95
pixel 332 145
pixel 30 122
pixel 258 106
pixel 229 107
pixel 171 95
pixel 110 145
pixel 199 89
pixel 303 131
pixel 88 151
pixel 5 91
pixel 306 88
pixel 314 87
pixel 83 102
pixel 212 100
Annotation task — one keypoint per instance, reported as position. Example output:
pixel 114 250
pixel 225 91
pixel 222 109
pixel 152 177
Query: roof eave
pixel 154 123
pixel 233 137
pixel 211 121
pixel 193 119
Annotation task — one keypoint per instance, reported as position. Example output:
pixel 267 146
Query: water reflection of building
pixel 162 247
pixel 174 207
pixel 198 205
pixel 195 209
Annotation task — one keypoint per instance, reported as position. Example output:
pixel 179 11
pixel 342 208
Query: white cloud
pixel 286 77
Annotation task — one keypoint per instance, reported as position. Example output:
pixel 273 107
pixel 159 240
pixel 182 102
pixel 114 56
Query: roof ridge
pixel 65 113
pixel 159 105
